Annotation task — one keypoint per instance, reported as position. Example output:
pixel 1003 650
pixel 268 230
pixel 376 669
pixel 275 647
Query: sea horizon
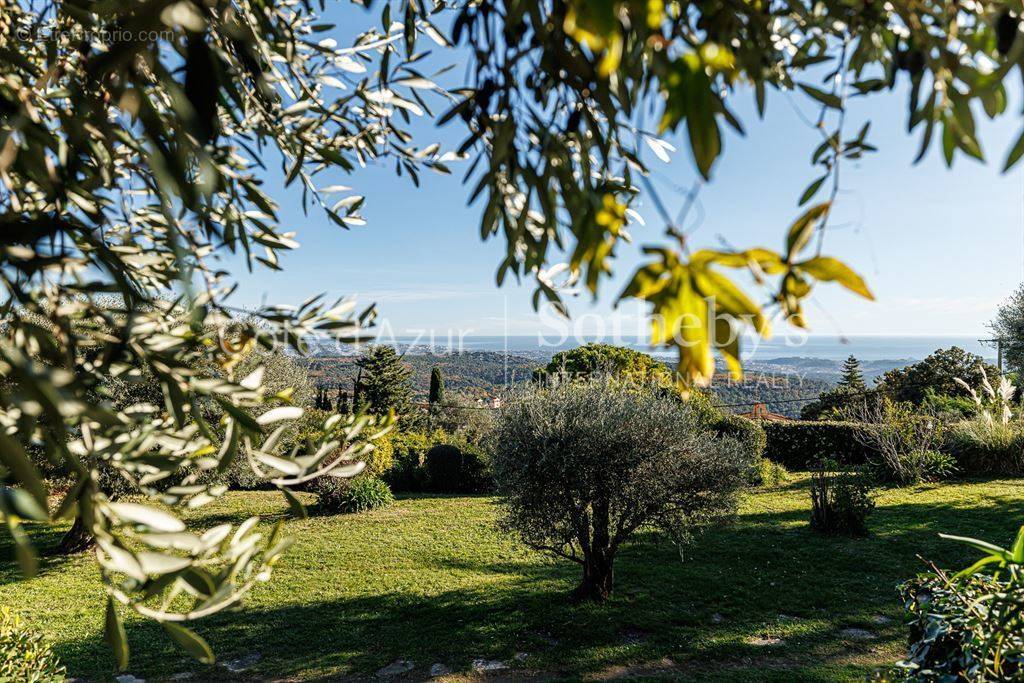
pixel 830 347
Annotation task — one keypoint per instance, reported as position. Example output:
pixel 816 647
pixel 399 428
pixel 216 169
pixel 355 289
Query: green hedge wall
pixel 800 444
pixel 996 450
pixel 749 432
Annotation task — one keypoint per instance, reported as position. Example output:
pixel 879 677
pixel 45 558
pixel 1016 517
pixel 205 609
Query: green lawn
pixel 431 581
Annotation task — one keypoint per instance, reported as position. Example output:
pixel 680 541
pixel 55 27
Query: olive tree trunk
pixel 596 584
pixel 598 556
pixel 78 539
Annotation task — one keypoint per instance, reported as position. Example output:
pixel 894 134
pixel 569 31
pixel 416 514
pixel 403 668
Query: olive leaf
pixel 115 636
pixel 191 641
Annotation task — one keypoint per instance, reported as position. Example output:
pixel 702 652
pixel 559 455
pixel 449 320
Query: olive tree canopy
pixel 133 139
pixel 583 465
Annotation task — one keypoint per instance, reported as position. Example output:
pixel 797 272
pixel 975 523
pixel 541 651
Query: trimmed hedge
pixel 749 432
pixel 977 448
pixel 800 444
pixel 461 468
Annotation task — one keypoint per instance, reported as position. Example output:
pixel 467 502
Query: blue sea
pixel 824 347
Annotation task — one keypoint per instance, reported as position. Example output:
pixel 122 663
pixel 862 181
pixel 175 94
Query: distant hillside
pixel 476 374
pixel 826 369
pixel 483 374
pixel 784 394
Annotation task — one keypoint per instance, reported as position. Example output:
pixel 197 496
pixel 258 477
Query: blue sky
pixel 940 248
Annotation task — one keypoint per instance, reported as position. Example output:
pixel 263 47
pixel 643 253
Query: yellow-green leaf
pixel 727 341
pixel 803 228
pixel 828 269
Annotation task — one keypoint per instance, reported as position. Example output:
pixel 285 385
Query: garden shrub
pixel 363 493
pixel 444 465
pixel 949 408
pixel 935 465
pixel 987 448
pixel 457 467
pixel 903 439
pixel 969 626
pixel 840 500
pixel 409 449
pixel 476 469
pixel 25 656
pixel 768 474
pixel 437 462
pixel 923 465
pixel 749 433
pixel 951 632
pixel 597 460
pixel 381 458
pixel 799 444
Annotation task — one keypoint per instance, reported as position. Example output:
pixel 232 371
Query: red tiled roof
pixel 761 412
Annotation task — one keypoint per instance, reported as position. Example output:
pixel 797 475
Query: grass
pixel 430 580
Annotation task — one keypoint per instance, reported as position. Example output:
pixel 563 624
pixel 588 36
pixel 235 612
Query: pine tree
pixel 436 387
pixel 385 381
pixel 853 378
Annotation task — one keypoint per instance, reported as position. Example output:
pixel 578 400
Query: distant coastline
pixel 807 352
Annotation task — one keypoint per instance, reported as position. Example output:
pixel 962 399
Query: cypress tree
pixel 385 381
pixel 357 393
pixel 436 387
pixel 853 378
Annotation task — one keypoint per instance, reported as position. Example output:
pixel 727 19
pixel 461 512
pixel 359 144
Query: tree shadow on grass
pixel 45 540
pixel 761 578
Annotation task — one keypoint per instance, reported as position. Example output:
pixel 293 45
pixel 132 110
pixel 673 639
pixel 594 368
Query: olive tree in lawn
pixel 583 465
